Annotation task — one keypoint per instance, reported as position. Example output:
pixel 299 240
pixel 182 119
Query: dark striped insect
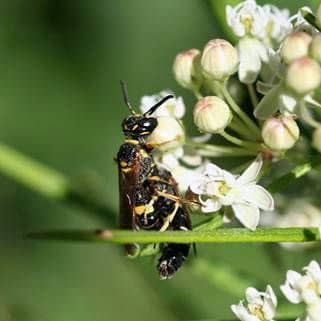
pixel 148 194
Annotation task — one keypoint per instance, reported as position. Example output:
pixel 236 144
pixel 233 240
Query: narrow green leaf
pixel 227 235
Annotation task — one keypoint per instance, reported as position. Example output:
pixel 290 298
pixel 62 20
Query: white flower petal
pixel 242 313
pixel 169 160
pixel 252 295
pixel 313 270
pixel 270 303
pixel 210 205
pixel 292 295
pixel 173 107
pixel 251 173
pixel 258 196
pixel 289 287
pixel 197 186
pixel 314 311
pixel 213 170
pixel 309 296
pixel 269 291
pixel 247 214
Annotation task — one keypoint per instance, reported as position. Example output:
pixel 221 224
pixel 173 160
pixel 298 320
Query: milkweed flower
pixel 253 54
pixel 246 18
pixel 259 28
pixel 303 288
pixel 261 306
pixel 217 188
pixel 277 25
pixel 173 107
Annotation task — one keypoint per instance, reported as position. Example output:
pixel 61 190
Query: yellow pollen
pixel 247 21
pixel 257 311
pixel 223 188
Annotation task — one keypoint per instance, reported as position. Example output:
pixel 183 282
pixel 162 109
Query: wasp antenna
pixel 158 104
pixel 126 97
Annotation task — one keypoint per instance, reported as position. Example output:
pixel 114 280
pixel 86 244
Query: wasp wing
pixel 128 184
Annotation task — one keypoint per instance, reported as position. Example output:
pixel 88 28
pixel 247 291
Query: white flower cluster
pixel 259 28
pixel 305 288
pixel 277 56
pixel 261 306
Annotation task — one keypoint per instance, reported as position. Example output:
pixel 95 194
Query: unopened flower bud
pixel 186 68
pixel 303 75
pixel 316 139
pixel 280 132
pixel 315 48
pixel 212 114
pixel 295 46
pixel 168 134
pixel 219 59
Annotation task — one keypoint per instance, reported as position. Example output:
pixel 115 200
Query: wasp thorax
pixel 138 125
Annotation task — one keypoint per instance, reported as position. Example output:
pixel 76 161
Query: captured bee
pixel 149 197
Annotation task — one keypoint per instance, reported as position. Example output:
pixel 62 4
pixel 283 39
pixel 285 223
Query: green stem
pixel 235 107
pixel 34 175
pixel 47 181
pixel 196 92
pixel 239 128
pixel 253 95
pixel 234 140
pixel 230 235
pixel 208 150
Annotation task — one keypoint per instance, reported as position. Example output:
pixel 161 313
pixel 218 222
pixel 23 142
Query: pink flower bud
pixel 280 132
pixel 303 76
pixel 212 114
pixel 219 60
pixel 186 68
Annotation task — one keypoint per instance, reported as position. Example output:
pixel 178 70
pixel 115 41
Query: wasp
pixel 148 194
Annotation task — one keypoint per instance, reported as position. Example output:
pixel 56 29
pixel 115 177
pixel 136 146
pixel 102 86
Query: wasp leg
pixel 160 180
pixel 169 218
pixel 177 198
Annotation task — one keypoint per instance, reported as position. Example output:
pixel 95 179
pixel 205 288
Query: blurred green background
pixel 60 102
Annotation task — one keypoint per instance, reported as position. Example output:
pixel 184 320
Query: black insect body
pixel 149 198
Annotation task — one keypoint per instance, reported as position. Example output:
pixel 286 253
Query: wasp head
pixel 135 126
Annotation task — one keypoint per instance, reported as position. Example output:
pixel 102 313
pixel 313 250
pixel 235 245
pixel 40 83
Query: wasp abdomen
pixel 174 255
